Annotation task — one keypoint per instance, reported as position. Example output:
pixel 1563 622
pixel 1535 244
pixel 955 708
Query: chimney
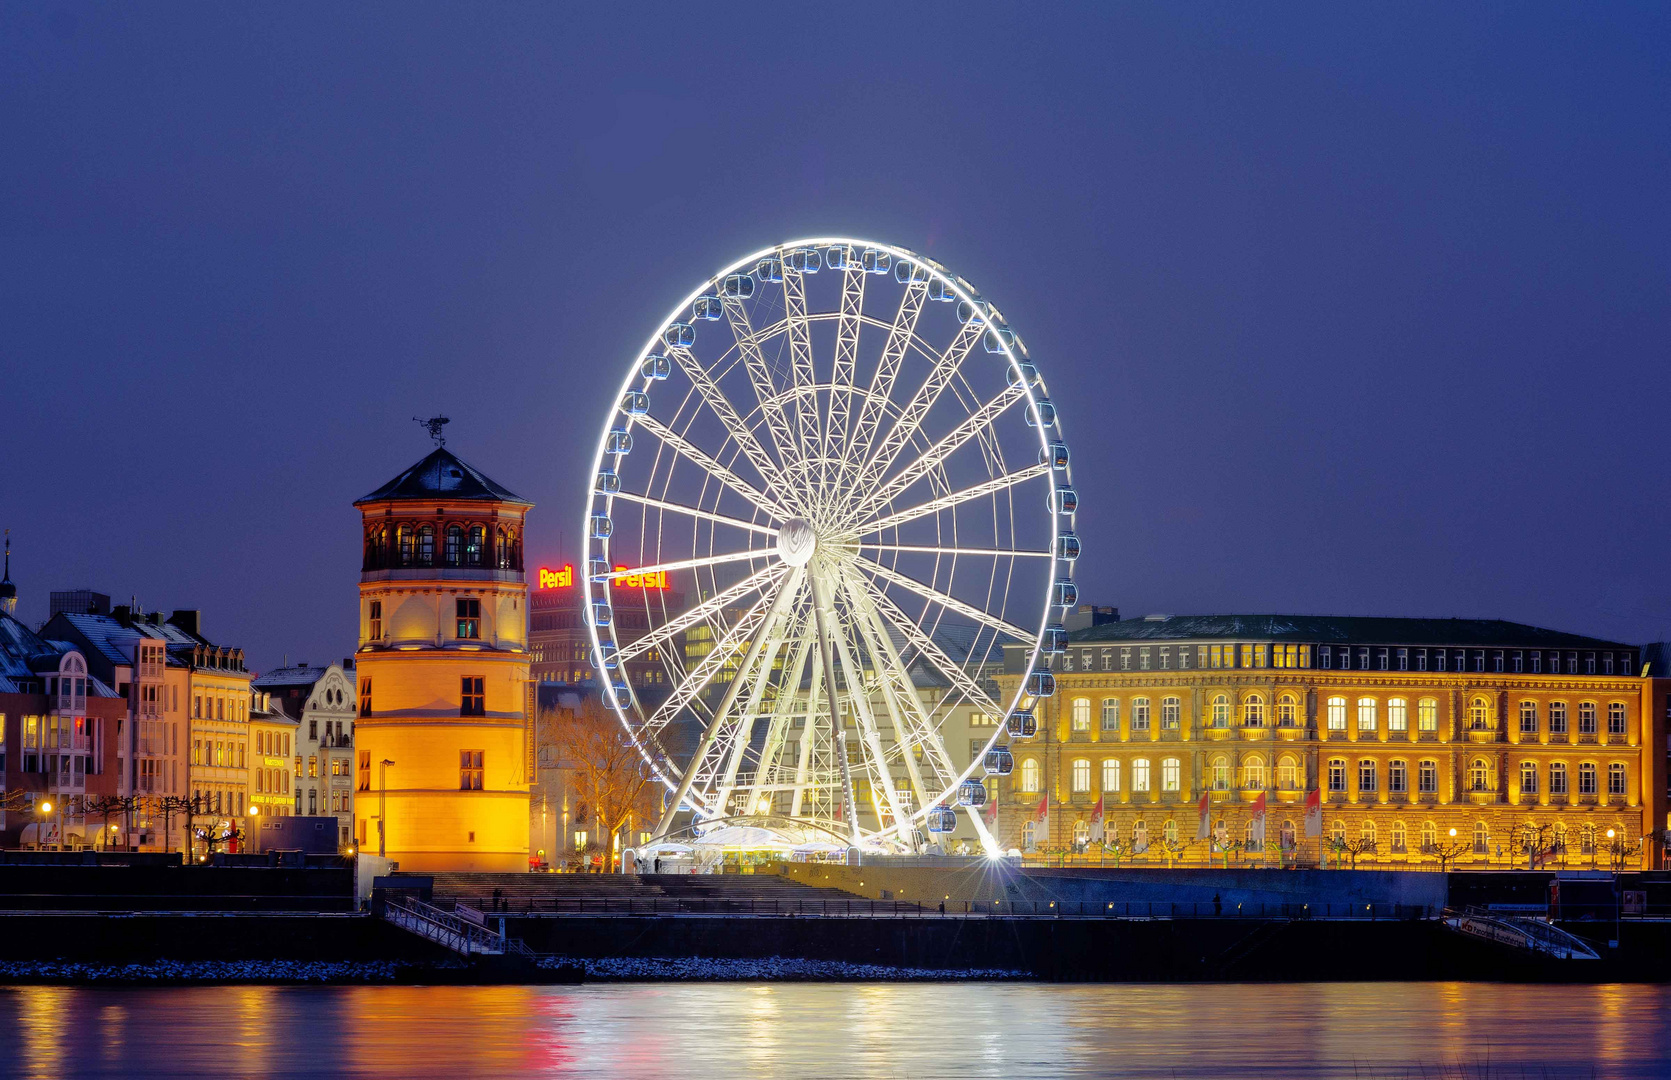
pixel 186 619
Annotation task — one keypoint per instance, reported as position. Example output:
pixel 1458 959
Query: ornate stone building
pixel 443 675
pixel 1401 730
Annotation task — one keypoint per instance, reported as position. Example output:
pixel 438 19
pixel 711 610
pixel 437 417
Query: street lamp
pixel 382 804
pixel 45 811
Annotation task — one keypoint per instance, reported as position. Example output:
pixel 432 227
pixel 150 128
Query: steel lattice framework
pixel 847 463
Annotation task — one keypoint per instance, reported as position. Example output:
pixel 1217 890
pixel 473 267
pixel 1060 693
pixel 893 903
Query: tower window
pixel 365 697
pixel 375 631
pixel 469 770
pixel 474 544
pixel 469 617
pixel 455 545
pixel 474 701
pixel 426 546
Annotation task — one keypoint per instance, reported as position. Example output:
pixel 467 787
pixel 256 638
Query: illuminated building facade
pixel 323 700
pixel 1402 729
pixel 560 645
pixel 442 669
pixel 272 774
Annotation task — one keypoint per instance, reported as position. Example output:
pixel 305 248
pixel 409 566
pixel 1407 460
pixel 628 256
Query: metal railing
pixel 442 927
pixel 570 906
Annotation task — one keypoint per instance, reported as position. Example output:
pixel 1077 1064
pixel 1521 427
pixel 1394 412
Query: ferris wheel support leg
pixel 907 739
pixel 826 615
pixel 803 767
pixel 988 843
pixel 784 597
pixel 866 721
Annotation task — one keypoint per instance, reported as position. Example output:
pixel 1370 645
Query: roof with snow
pixel 1329 629
pixel 295 675
pixel 442 475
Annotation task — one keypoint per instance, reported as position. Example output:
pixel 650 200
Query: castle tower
pixel 443 671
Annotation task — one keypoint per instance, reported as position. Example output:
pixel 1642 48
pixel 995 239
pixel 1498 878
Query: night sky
pixel 1347 310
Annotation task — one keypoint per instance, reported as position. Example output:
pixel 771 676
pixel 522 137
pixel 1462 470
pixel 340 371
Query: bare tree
pixel 1350 848
pixel 106 806
pixel 1447 849
pixel 1621 851
pixel 1538 841
pixel 610 780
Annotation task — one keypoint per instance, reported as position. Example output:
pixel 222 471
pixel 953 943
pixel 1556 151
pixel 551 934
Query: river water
pixel 801 1030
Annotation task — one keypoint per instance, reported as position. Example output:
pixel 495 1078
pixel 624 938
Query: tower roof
pixel 442 475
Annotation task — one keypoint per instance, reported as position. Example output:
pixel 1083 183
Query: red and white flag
pixel 1314 813
pixel 1201 829
pixel 1258 819
pixel 1096 820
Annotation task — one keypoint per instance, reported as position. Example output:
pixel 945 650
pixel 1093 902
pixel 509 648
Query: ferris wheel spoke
pixel 929 549
pixel 683 446
pixel 911 417
pixel 721 407
pixel 928 648
pixel 846 360
pixel 932 458
pixel 760 375
pixel 900 335
pixel 691 511
pixel 753 555
pixel 944 599
pixel 771 769
pixel 800 362
pixel 859 700
pixel 707 609
pixel 946 502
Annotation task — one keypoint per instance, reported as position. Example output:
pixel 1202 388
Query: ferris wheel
pixel 831 493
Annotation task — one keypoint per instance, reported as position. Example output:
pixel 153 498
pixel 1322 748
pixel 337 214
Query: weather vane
pixel 435 424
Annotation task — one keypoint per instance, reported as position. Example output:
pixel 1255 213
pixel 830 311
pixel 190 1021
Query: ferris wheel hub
pixel 796 542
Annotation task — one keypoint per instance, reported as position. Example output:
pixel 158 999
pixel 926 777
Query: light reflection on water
pixel 908 1030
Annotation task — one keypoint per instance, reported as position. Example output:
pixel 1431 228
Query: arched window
pixel 1337 831
pixel 1170 711
pixel 1029 836
pixel 1427 715
pixel 454 548
pixel 1221 711
pixel 1586 718
pixel 1082 714
pixel 372 559
pixel 1337 714
pixel 1616 779
pixel 1616 718
pixel 1081 775
pixel 1367 834
pixel 475 540
pixel 1587 840
pixel 1253 711
pixel 1081 833
pixel 501 551
pixel 1221 773
pixel 1557 718
pixel 1528 718
pixel 403 541
pixel 1287 774
pixel 1031 776
pixel 1482 838
pixel 1111 714
pixel 1140 714
pixel 1399 838
pixel 1140 836
pixel 1479 775
pixel 1253 773
pixel 1170 774
pixel 1366 775
pixel 1287 711
pixel 1366 714
pixel 1430 836
pixel 1171 831
pixel 426 546
pixel 1221 835
pixel 1287 835
pixel 1528 778
pixel 1558 778
pixel 1479 715
pixel 1337 775
pixel 1111 774
pixel 1250 838
pixel 1586 778
pixel 1398 715
pixel 1140 774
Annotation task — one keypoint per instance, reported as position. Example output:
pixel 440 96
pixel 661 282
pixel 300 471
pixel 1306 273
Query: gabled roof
pixel 296 675
pixel 105 634
pixel 1343 629
pixel 442 475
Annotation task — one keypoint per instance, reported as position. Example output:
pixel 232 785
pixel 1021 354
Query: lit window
pixel 1399 838
pixel 1170 710
pixel 1337 714
pixel 469 770
pixel 469 610
pixel 1427 715
pixel 1111 774
pixel 1171 774
pixel 1111 714
pixel 1031 777
pixel 1221 711
pixel 1140 836
pixel 1253 773
pixel 1430 836
pixel 1479 715
pixel 1253 711
pixel 1366 714
pixel 1287 775
pixel 1479 775
pixel 1482 838
pixel 1081 775
pixel 1082 714
pixel 1398 714
pixel 1140 774
pixel 1221 774
pixel 1286 711
pixel 1140 714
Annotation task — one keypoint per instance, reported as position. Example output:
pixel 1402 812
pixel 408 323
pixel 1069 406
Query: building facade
pixel 1467 742
pixel 321 758
pixel 272 772
pixel 443 751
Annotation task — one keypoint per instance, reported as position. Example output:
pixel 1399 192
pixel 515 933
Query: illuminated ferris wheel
pixel 845 460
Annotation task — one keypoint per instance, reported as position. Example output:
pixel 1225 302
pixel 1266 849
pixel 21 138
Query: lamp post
pixel 45 810
pixel 382 804
pixel 253 827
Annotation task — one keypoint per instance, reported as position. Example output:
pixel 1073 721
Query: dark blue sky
pixel 1355 310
